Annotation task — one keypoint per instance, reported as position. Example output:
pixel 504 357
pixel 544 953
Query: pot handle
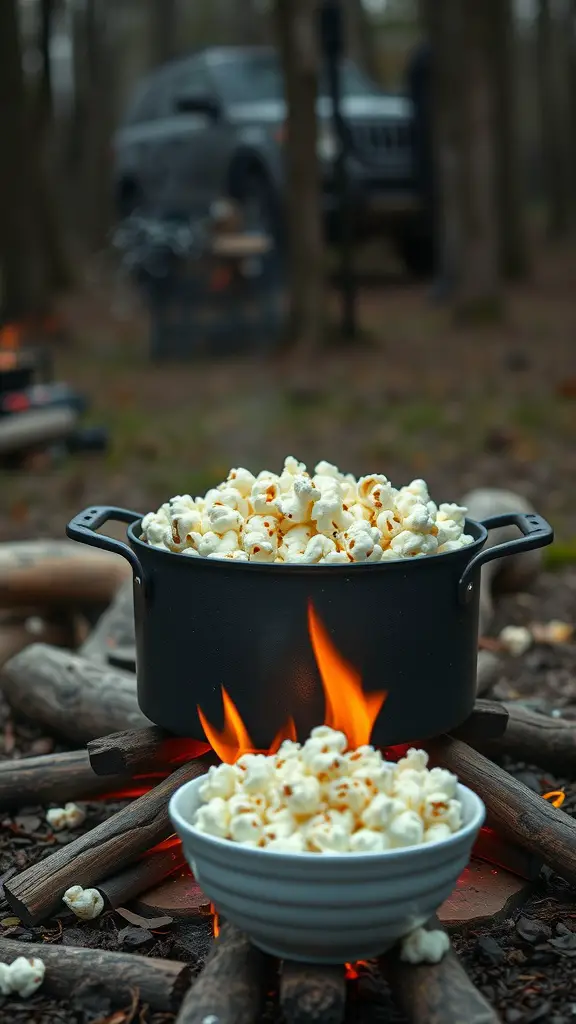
pixel 83 528
pixel 536 534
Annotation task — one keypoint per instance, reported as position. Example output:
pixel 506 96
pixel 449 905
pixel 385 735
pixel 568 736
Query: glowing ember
pixel 348 708
pixel 555 796
pixel 352 972
pixel 215 921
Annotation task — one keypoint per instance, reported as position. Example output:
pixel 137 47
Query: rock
pixel 490 949
pixel 515 572
pixel 532 930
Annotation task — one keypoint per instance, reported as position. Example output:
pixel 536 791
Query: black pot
pixel 409 627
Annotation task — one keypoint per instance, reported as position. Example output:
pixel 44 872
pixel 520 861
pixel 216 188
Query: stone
pixel 483 893
pixel 178 896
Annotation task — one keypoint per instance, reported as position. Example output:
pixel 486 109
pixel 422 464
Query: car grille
pixel 383 144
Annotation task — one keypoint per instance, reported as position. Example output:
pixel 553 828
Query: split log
pixel 70 695
pixel 37 892
pixel 514 810
pixel 487 722
pixel 140 750
pixel 159 983
pixel 115 628
pixel 25 554
pixel 436 993
pixel 230 988
pixel 36 429
pixel 52 582
pixel 50 778
pixel 148 871
pixel 312 993
pixel 538 739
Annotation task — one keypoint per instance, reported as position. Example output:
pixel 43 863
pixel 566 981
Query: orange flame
pixel 10 337
pixel 555 796
pixel 215 921
pixel 348 708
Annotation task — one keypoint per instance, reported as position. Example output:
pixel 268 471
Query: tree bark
pixel 478 295
pixel 163 31
pixel 296 28
pixel 553 82
pixel 24 269
pixel 513 241
pixel 360 33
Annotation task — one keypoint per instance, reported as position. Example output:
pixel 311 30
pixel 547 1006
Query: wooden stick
pixel 50 778
pixel 514 810
pixel 148 871
pixel 70 695
pixel 25 554
pixel 548 742
pixel 230 988
pixel 137 750
pixel 37 428
pixel 159 983
pixel 436 993
pixel 36 892
pixel 312 992
pixel 488 721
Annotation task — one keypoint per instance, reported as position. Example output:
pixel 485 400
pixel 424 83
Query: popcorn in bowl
pixel 327 517
pixel 320 797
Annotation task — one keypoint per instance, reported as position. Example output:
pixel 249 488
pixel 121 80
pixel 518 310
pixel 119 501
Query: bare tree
pixel 163 30
pixel 27 269
pixel 553 84
pixel 297 36
pixel 512 226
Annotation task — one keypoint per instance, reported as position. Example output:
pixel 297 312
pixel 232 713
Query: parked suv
pixel 213 124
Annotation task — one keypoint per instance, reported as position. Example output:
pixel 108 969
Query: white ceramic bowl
pixel 325 908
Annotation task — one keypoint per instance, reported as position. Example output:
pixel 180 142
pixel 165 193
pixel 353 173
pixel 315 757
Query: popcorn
pixel 22 977
pixel 424 947
pixel 85 903
pixel 516 639
pixel 319 797
pixel 70 816
pixel 340 520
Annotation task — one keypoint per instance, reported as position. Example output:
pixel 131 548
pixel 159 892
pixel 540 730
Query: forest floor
pixel 418 396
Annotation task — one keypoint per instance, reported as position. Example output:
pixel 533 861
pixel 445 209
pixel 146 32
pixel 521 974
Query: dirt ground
pixel 416 397
pixel 419 397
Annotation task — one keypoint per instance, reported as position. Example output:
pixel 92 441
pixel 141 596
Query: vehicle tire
pixel 415 247
pixel 261 205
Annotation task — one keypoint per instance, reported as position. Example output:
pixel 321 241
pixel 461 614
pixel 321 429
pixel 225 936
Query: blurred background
pixel 239 229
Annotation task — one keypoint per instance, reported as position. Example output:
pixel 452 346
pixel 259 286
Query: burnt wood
pixel 136 750
pixel 514 810
pixel 70 695
pixel 35 893
pixel 230 988
pixel 115 629
pixel 146 872
pixel 160 984
pixel 436 993
pixel 50 778
pixel 488 721
pixel 538 739
pixel 312 992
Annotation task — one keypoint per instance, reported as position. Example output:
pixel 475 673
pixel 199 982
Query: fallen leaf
pixel 9 922
pixel 490 643
pixel 554 632
pixel 144 922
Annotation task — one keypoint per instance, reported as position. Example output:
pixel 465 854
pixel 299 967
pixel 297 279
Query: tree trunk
pixel 296 25
pixel 360 33
pixel 478 295
pixel 553 82
pixel 163 31
pixel 513 240
pixel 25 273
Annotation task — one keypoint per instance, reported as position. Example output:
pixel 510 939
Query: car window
pixel 190 79
pixel 246 78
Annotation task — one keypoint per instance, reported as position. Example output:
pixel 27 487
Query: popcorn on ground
pixel 320 797
pixel 328 518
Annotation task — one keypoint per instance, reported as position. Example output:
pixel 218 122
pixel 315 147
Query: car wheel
pixel 415 247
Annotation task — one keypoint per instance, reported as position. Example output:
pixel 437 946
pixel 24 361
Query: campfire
pixel 134 851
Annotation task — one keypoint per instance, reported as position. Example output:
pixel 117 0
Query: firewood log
pixel 48 573
pixel 230 988
pixel 71 695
